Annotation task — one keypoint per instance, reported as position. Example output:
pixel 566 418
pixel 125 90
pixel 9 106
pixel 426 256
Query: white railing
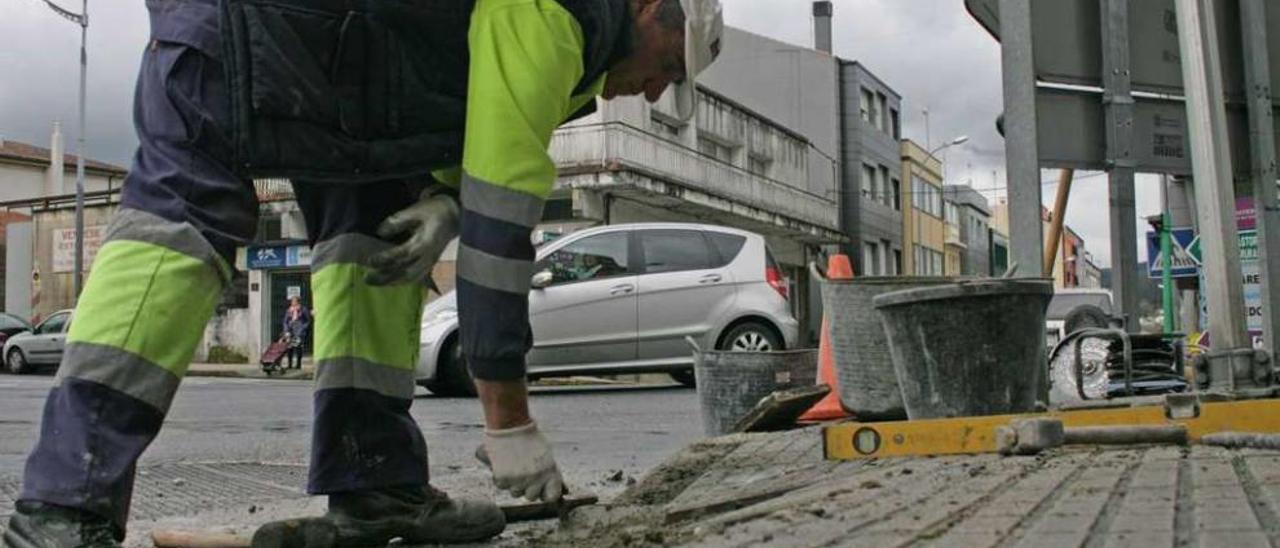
pixel 619 145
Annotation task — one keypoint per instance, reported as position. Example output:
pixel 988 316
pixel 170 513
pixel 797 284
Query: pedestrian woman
pixel 296 321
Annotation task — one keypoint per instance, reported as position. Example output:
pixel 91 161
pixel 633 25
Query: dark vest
pixel 358 90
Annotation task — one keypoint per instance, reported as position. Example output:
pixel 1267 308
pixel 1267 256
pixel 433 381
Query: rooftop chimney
pixel 53 183
pixel 822 26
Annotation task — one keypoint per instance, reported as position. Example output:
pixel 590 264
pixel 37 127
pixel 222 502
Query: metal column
pixel 1211 165
pixel 1022 153
pixel 1117 100
pixel 1253 29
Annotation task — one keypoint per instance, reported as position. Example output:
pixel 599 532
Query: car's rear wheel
pixel 750 336
pixel 453 379
pixel 16 362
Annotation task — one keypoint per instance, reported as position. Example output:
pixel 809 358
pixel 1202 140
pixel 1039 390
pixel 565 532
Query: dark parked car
pixel 11 325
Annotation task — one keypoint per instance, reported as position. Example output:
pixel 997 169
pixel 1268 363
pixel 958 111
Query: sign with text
pixel 269 257
pixel 1186 257
pixel 64 247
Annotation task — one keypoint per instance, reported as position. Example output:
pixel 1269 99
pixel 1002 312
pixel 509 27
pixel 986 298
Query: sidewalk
pixel 249 371
pixel 750 490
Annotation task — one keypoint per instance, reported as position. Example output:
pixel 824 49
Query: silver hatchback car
pixel 622 299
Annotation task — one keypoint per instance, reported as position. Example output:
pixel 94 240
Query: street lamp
pixel 81 19
pixel 957 141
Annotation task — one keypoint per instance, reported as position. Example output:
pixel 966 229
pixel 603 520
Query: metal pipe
pixel 1257 69
pixel 1022 156
pixel 1055 224
pixel 77 281
pixel 1211 166
pixel 1166 252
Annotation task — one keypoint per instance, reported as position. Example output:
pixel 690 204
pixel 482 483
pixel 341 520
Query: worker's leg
pixel 150 292
pixel 366 344
pixel 367 453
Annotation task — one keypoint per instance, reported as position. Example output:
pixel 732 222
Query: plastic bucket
pixel 730 384
pixel 968 349
pixel 868 385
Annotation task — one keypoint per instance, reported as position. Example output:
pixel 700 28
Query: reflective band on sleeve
pixel 364 375
pixel 499 203
pixel 121 371
pixel 493 272
pixel 148 300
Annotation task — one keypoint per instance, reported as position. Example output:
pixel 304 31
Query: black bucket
pixel 969 349
pixel 867 383
pixel 730 384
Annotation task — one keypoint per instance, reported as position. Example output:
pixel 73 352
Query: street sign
pixel 1186 262
pixel 1072 133
pixel 1068 43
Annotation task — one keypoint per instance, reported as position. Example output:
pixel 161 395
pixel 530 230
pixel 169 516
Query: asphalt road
pixel 596 431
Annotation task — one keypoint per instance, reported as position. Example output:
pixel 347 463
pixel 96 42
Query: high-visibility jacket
pixel 396 88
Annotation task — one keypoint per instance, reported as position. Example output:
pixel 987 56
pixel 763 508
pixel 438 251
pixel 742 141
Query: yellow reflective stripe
pixel 356 320
pixel 148 300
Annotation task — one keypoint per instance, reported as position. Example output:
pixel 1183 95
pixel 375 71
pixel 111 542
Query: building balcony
pixel 953 236
pixel 666 169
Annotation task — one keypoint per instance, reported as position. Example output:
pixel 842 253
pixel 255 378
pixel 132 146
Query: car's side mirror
pixel 542 279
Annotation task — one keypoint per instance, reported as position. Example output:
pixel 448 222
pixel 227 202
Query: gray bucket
pixel 867 384
pixel 968 349
pixel 730 384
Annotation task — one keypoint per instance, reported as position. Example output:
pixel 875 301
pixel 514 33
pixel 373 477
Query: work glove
pixel 425 227
pixel 522 464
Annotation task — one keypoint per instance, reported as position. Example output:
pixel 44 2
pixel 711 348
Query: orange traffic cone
pixel 838 268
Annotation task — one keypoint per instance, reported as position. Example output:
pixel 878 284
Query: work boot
pixel 419 515
pixel 40 525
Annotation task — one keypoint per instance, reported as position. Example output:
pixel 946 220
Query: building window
pixel 715 150
pixel 896 186
pixel 882 118
pixel 270 227
pixel 664 128
pixel 896 124
pixel 758 165
pixel 897 262
pixel 871 258
pixel 925 197
pixel 868 182
pixel 886 194
pixel 886 254
pixel 868 107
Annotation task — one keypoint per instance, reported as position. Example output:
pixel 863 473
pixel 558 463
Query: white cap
pixel 703 28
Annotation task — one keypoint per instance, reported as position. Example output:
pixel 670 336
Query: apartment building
pixel 923 226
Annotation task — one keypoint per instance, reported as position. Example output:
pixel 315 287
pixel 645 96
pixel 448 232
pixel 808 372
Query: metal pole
pixel 77 277
pixel 1022 153
pixel 1166 252
pixel 1211 166
pixel 1117 101
pixel 1058 220
pixel 1263 151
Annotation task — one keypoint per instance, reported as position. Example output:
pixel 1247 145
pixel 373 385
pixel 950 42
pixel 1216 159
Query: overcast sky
pixel 930 51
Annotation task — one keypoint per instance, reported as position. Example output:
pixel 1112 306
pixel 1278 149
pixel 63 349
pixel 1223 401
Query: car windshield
pixel 1063 303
